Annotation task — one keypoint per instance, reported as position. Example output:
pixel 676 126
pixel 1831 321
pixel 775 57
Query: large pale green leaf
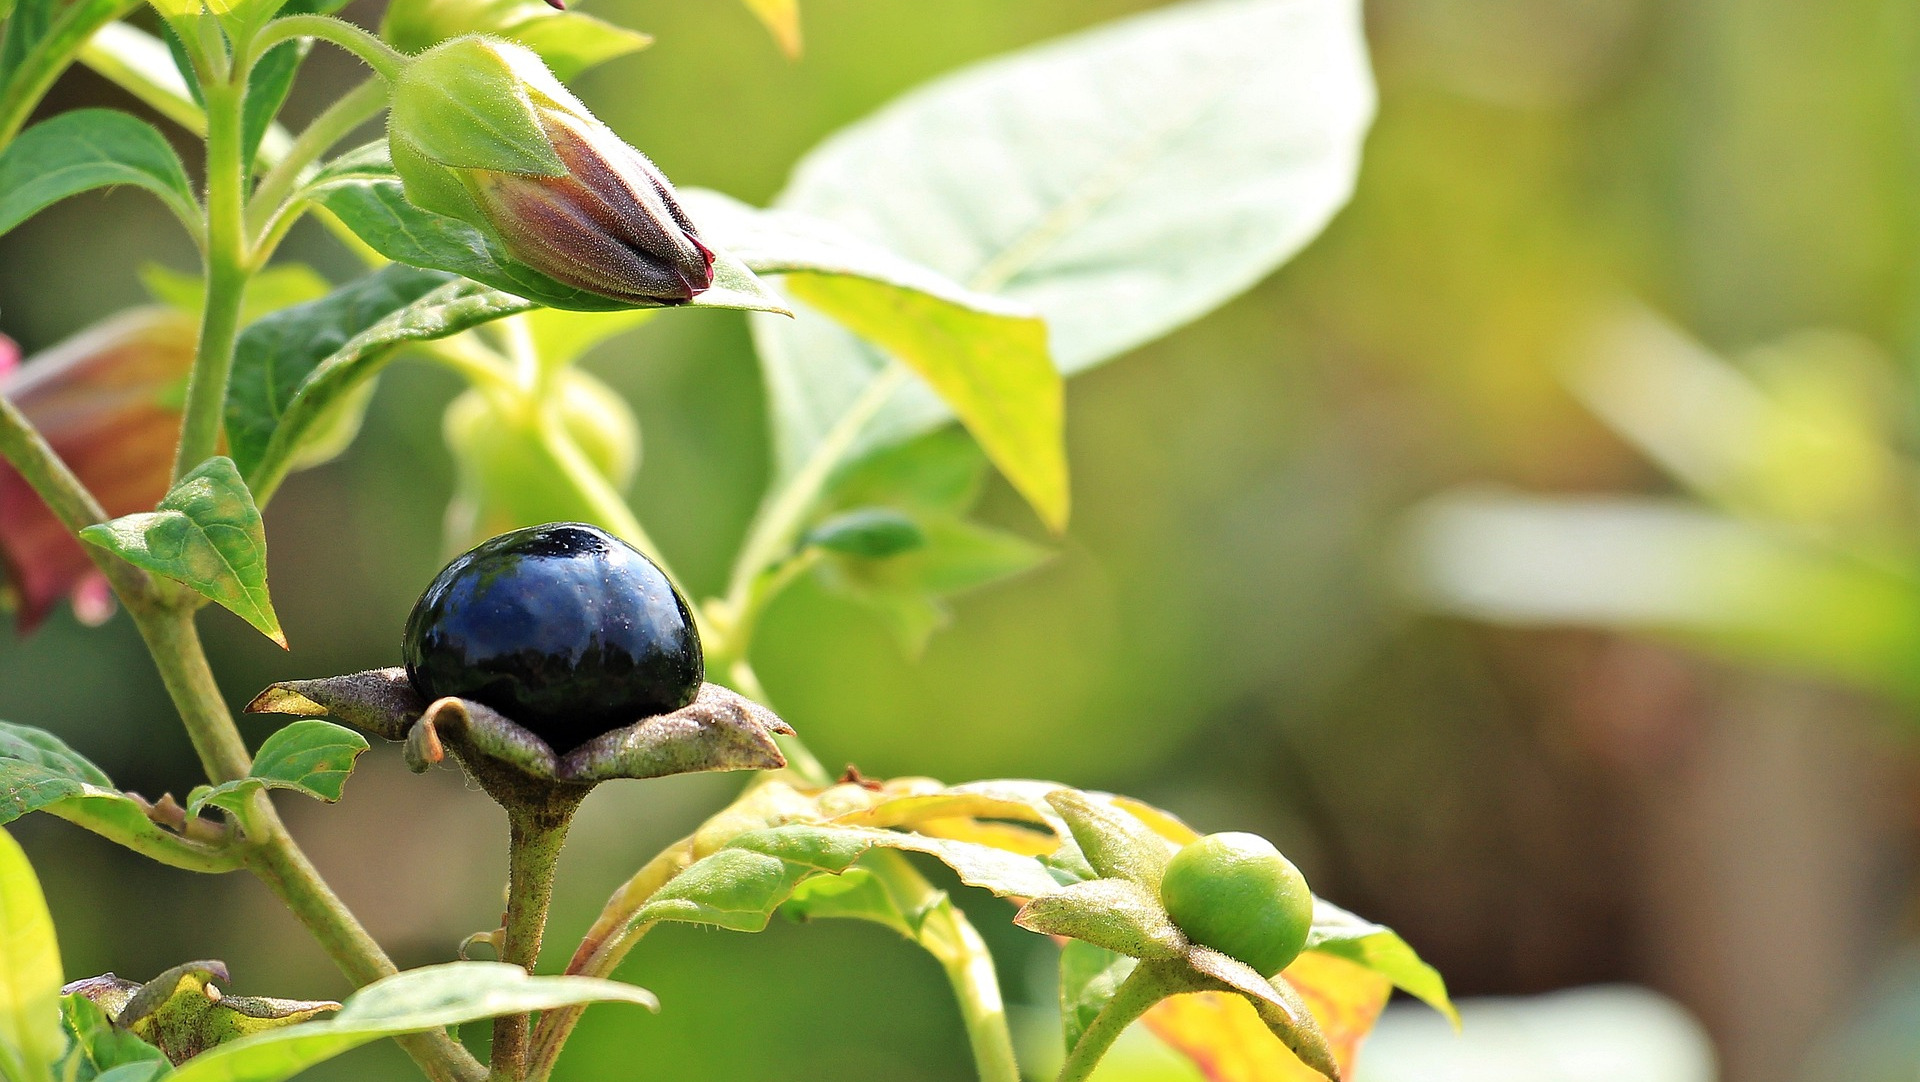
pixel 410 1002
pixel 31 1040
pixel 985 357
pixel 207 534
pixel 84 149
pixel 310 757
pixel 1123 182
pixel 277 354
pixel 741 884
pixel 370 201
pixel 290 420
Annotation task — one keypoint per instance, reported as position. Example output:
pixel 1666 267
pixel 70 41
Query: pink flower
pixel 108 400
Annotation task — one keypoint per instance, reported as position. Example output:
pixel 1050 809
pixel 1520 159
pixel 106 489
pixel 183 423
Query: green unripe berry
pixel 1237 894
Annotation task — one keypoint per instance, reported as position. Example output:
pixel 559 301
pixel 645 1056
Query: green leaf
pixel 1123 182
pixel 277 355
pixel 571 42
pixel 935 475
pixel 207 534
pixel 370 202
pixel 282 285
pixel 267 88
pixel 1379 948
pixel 909 590
pixel 24 29
pixel 1089 976
pixel 855 894
pixel 986 358
pixel 29 971
pixel 291 423
pixel 38 768
pixel 85 149
pixel 871 532
pixel 310 757
pixel 142 65
pixel 98 1046
pixel 410 1002
pixel 39 772
pixel 739 885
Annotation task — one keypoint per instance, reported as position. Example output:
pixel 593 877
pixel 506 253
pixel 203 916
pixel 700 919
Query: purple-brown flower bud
pixel 610 225
pixel 108 401
pixel 482 131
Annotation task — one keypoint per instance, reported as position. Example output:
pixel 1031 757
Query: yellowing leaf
pixel 782 20
pixel 1227 1041
pixel 29 971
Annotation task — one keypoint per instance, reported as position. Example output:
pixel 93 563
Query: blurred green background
pixel 1226 630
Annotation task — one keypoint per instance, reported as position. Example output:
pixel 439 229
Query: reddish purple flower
pixel 109 401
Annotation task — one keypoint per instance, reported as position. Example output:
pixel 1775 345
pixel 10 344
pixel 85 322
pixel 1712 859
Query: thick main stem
pixel 272 853
pixel 537 834
pixel 227 272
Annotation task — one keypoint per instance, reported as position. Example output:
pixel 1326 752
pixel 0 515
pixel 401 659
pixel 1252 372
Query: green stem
pixel 537 835
pixel 778 523
pixel 384 59
pixel 46 60
pixel 228 267
pixel 951 938
pixel 360 105
pixel 1144 987
pixel 175 646
pixel 273 856
pixel 603 948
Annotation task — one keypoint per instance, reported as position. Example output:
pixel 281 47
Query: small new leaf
pixel 873 533
pixel 207 534
pixel 310 757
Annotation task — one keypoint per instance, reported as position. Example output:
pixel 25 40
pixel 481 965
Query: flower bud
pixel 108 401
pixel 480 130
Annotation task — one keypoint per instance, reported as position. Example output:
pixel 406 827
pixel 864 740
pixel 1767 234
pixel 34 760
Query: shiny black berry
pixel 564 628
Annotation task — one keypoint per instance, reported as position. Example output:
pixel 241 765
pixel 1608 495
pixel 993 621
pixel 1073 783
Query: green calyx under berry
pixel 1236 893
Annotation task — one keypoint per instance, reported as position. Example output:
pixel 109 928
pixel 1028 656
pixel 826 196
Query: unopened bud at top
pixel 482 131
